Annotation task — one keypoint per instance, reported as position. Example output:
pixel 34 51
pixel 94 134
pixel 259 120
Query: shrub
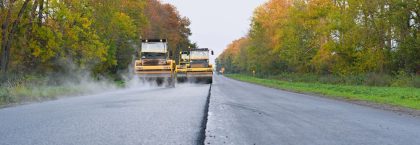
pixel 402 79
pixel 373 79
pixel 416 81
pixel 331 79
pixel 4 96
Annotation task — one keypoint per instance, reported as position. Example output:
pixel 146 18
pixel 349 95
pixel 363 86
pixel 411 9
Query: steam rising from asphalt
pixel 80 81
pixel 85 83
pixel 132 81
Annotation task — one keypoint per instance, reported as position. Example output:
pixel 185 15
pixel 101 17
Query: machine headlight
pixel 138 63
pixel 162 62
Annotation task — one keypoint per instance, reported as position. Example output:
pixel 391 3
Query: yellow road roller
pixel 183 63
pixel 154 62
pixel 199 68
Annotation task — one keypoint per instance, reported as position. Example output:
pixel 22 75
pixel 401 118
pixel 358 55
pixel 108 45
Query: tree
pixel 166 23
pixel 8 32
pixel 98 36
pixel 343 37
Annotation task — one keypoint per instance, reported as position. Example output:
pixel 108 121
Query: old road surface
pixel 246 114
pixel 238 113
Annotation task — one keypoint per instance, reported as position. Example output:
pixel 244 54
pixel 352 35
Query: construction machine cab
pixel 154 49
pixel 181 68
pixel 199 57
pixel 184 57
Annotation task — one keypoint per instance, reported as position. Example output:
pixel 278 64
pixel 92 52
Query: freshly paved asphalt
pixel 134 116
pixel 246 114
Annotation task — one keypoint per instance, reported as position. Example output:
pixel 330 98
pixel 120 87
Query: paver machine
pixel 154 62
pixel 199 68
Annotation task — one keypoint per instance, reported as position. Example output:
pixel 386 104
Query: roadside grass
pixel 32 94
pixel 399 79
pixel 24 93
pixel 408 97
pixel 35 89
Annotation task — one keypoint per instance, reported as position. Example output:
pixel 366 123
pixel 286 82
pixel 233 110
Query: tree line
pixel 342 37
pixel 99 36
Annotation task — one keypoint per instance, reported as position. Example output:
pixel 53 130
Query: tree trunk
pixel 47 13
pixel 33 11
pixel 40 10
pixel 6 44
pixel 4 30
pixel 1 4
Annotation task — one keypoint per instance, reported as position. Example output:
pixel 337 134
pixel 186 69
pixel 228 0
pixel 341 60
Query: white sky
pixel 216 23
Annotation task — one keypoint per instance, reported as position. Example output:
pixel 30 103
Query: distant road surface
pixel 137 116
pixel 247 114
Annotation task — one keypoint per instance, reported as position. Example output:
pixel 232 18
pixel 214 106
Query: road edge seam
pixel 202 135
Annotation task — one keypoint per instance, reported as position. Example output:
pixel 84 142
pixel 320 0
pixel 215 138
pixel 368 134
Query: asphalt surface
pixel 238 113
pixel 134 116
pixel 246 114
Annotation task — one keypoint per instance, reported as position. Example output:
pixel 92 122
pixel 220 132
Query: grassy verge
pixel 21 94
pixel 407 97
pixel 35 89
pixel 400 79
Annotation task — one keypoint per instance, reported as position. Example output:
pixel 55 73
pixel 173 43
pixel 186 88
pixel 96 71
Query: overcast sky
pixel 216 23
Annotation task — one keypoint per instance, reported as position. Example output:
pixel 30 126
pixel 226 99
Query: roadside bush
pixel 4 96
pixel 292 77
pixel 416 82
pixel 331 79
pixel 402 79
pixel 373 79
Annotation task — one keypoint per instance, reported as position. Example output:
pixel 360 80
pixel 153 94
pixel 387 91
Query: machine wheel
pixel 159 81
pixel 171 82
pixel 181 79
pixel 210 81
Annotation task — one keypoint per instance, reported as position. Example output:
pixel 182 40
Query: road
pixel 132 116
pixel 246 114
pixel 239 113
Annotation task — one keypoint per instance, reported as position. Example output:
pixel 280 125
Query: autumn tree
pixel 9 28
pixel 165 22
pixel 98 36
pixel 343 37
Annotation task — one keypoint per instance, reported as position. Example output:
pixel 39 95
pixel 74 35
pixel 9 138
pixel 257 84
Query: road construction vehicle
pixel 199 69
pixel 154 63
pixel 222 71
pixel 183 63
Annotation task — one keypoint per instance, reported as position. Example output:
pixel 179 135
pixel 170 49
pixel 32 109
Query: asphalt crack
pixel 246 107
